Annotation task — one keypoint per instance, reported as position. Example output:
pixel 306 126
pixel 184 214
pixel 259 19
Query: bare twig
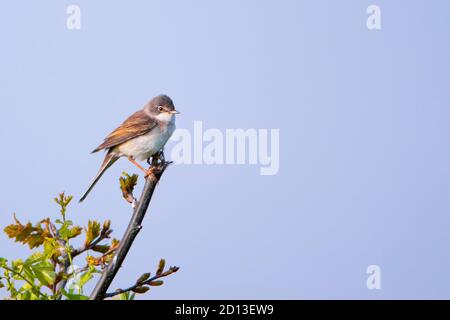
pixel 149 282
pixel 103 236
pixel 99 292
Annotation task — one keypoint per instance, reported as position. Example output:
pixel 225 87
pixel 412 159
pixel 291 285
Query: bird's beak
pixel 174 112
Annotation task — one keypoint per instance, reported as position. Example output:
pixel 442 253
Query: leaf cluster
pixel 45 273
pixel 50 272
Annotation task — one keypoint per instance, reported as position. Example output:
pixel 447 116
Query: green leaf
pixel 52 248
pixel 64 231
pixel 63 202
pixel 45 276
pixel 26 295
pixel 72 296
pixel 17 264
pixel 34 258
pixel 28 273
pixel 87 276
pixel 37 266
pixel 45 272
pixel 127 183
pixel 75 232
pixel 92 232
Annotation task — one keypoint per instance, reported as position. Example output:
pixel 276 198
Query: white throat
pixel 165 117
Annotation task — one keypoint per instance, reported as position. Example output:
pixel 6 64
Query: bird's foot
pixel 161 156
pixel 149 174
pixel 157 159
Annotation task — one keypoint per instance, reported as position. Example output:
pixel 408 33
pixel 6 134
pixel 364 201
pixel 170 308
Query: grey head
pixel 160 106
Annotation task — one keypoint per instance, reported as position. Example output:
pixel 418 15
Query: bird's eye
pixel 160 109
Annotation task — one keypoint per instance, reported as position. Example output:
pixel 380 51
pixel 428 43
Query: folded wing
pixel 136 125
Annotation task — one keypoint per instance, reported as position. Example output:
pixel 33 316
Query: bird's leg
pixel 148 173
pixel 136 164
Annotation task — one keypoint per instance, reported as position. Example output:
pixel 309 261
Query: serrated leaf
pixel 64 231
pixel 34 236
pixel 127 182
pixel 75 232
pixel 35 240
pixel 92 261
pixel 62 200
pixel 52 248
pixel 92 232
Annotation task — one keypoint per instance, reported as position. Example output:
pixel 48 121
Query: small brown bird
pixel 140 137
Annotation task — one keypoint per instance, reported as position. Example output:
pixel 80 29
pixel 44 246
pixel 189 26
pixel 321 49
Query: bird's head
pixel 162 108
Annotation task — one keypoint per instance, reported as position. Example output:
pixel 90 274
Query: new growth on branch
pixel 51 272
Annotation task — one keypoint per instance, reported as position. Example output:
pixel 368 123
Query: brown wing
pixel 136 125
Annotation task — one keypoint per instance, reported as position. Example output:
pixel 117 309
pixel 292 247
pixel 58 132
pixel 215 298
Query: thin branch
pixel 65 263
pixel 101 237
pixel 36 290
pixel 99 292
pixel 140 284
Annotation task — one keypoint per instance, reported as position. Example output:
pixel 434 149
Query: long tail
pixel 108 162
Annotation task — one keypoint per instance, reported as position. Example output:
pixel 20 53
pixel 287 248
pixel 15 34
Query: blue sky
pixel 363 116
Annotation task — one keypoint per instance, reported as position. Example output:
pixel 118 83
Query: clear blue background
pixel 363 117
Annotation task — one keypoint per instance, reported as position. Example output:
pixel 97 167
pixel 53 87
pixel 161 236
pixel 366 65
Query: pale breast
pixel 143 147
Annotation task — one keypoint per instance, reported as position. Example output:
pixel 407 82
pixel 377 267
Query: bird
pixel 140 137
